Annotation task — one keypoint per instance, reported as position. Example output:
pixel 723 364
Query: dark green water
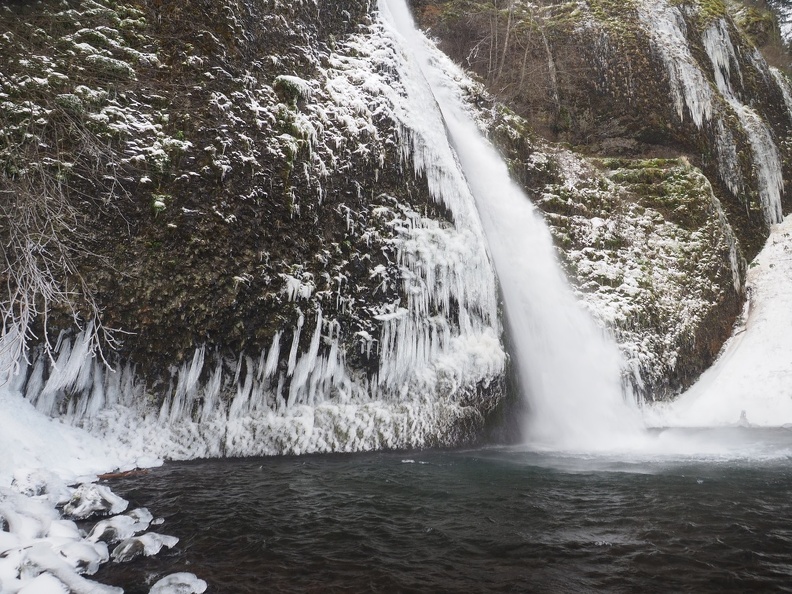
pixel 491 520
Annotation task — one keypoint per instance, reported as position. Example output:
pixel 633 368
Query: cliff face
pixel 247 206
pixel 204 180
pixel 241 207
pixel 676 135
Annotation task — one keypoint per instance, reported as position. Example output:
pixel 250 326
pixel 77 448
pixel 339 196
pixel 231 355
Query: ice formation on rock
pixel 179 583
pixel 694 97
pixel 437 348
pixel 767 159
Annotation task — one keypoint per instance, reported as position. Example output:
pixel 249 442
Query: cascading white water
pixel 568 368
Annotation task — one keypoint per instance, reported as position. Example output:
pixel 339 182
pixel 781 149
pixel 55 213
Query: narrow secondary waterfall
pixel 568 369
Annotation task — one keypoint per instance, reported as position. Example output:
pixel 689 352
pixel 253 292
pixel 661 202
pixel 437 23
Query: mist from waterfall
pixel 569 369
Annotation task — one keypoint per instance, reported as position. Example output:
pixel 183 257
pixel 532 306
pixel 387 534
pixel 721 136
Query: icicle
pixel 72 371
pixel 729 169
pixel 212 392
pixel 689 87
pixel 305 366
pixel 295 344
pixel 240 403
pixel 165 408
pixel 88 405
pixel 261 365
pixel 272 358
pixel 194 372
pixel 786 90
pixel 720 50
pixel 767 159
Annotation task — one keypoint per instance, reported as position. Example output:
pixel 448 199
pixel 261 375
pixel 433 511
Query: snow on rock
pixel 752 380
pixel 148 545
pixel 120 528
pixel 44 583
pixel 179 583
pixel 25 518
pixel 38 481
pixel 90 499
pixel 29 439
pixel 84 557
pixel 42 556
pixel 40 552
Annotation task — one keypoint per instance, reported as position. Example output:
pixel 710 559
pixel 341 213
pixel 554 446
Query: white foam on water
pixel 660 449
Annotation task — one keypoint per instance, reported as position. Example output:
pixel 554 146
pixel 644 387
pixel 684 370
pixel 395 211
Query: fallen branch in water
pixel 126 473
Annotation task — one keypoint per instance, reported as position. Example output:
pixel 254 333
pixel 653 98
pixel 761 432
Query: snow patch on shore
pixel 28 439
pixel 42 549
pixel 751 382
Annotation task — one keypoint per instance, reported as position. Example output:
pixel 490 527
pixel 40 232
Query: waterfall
pixel 569 369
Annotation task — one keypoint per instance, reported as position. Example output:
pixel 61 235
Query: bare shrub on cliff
pixel 42 233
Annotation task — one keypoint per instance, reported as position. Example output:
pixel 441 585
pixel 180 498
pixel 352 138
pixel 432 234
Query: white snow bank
pixel 40 550
pixel 751 383
pixel 31 441
pixel 28 439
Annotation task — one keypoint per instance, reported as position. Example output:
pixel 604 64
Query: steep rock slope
pixel 679 136
pixel 239 206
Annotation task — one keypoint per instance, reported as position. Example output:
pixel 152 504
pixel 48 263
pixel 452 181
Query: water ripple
pixel 476 521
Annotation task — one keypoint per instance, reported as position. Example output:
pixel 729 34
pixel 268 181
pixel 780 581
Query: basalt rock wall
pixel 654 136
